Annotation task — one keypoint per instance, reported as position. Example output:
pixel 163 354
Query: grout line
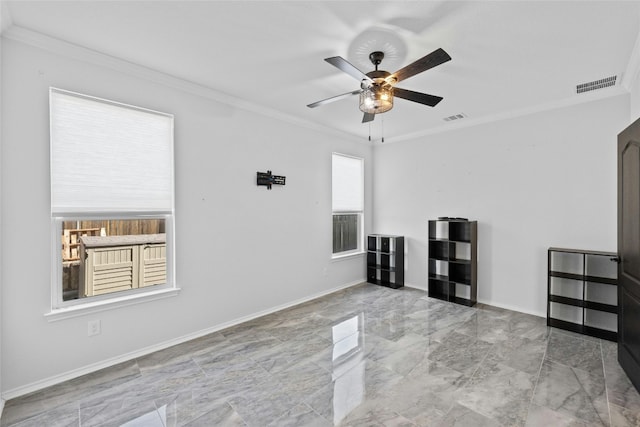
pixel 606 387
pixel 162 420
pixel 535 387
pixel 304 402
pixel 575 369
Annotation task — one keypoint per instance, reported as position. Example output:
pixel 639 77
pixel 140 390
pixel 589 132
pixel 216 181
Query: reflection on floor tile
pixel 364 356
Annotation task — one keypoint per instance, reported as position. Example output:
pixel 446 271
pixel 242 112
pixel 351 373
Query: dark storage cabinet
pixel 385 260
pixel 582 289
pixel 453 260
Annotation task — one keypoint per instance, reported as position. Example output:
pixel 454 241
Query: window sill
pixel 108 304
pixel 349 255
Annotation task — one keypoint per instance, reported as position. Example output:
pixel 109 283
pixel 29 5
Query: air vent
pixel 455 117
pixel 598 84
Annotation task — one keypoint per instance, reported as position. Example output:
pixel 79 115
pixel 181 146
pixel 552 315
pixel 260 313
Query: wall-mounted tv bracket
pixel 265 178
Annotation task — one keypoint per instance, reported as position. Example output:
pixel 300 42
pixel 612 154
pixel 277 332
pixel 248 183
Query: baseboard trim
pixel 412 286
pixel 66 376
pixel 513 308
pixel 491 303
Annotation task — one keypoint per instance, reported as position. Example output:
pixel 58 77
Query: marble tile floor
pixel 364 356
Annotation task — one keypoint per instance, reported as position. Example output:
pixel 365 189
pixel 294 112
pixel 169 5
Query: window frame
pixel 360 213
pixel 61 309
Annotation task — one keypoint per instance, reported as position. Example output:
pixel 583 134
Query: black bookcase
pixel 583 292
pixel 385 260
pixel 452 260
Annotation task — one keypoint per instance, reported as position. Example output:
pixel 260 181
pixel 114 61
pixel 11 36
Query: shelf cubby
pixel 582 293
pixel 385 260
pixel 452 260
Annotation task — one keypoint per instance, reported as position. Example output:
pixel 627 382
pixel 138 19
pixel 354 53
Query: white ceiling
pixel 508 57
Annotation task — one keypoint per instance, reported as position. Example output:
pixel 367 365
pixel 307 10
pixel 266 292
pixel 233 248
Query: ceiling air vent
pixel 455 117
pixel 597 84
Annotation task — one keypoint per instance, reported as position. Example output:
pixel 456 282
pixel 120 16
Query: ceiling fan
pixel 377 88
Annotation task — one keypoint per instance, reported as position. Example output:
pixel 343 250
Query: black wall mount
pixel 266 178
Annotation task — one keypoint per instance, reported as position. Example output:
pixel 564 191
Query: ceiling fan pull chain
pixel 369 131
pixel 382 124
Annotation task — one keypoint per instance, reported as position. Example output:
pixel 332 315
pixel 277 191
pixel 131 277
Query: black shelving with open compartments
pixel 453 260
pixel 385 260
pixel 582 292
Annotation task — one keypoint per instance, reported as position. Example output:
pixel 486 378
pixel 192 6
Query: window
pixel 347 203
pixel 111 200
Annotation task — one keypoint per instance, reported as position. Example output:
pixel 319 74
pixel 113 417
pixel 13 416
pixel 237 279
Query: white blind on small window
pixel 109 157
pixel 347 183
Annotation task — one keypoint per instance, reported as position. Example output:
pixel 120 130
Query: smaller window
pixel 347 204
pixel 345 232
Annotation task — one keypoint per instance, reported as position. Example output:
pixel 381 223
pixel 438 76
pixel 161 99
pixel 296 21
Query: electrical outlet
pixel 93 328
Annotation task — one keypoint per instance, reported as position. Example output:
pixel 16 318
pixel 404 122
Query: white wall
pixel 631 80
pixel 4 22
pixel 635 97
pixel 241 249
pixel 547 179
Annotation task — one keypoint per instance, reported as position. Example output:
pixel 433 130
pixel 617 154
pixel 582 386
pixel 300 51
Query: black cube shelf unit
pixel 453 265
pixel 385 260
pixel 582 289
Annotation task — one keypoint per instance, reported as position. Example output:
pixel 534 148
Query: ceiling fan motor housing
pixel 376 58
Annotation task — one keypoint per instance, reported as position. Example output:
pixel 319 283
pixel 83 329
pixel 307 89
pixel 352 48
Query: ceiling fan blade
pixel 422 98
pixel 368 117
pixel 344 65
pixel 333 98
pixel 431 60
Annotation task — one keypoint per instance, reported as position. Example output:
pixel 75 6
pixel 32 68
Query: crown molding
pixel 80 53
pixel 471 122
pixel 630 78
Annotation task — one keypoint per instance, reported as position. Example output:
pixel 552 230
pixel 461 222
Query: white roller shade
pixel 348 184
pixel 108 157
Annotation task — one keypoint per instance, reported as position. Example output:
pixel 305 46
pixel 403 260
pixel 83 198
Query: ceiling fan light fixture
pixel 376 99
pixel 378 87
